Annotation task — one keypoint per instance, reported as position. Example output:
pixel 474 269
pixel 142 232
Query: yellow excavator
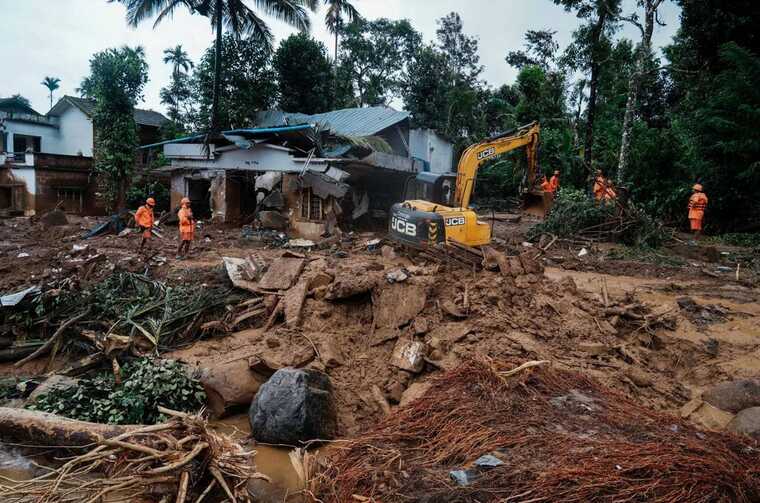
pixel 442 215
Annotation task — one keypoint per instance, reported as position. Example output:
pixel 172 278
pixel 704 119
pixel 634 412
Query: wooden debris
pixel 282 273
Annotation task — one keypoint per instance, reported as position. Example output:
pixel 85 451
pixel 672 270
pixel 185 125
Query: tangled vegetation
pixel 147 383
pixel 124 303
pixel 574 214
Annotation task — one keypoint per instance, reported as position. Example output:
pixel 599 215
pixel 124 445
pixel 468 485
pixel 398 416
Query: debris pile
pixel 182 458
pixel 490 432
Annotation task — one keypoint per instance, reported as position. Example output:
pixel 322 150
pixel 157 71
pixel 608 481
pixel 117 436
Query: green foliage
pixel 373 61
pixel 145 188
pixel 643 254
pixel 247 79
pixel 116 81
pixel 177 94
pixel 575 213
pixel 744 239
pixel 304 74
pixel 147 383
pixel 572 212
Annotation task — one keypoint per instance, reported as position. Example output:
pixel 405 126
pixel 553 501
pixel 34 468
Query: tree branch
pixel 634 20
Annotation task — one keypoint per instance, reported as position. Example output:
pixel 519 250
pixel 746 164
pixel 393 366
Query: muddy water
pixel 273 462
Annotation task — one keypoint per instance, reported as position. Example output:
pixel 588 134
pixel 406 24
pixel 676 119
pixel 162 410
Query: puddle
pixel 274 462
pixel 15 466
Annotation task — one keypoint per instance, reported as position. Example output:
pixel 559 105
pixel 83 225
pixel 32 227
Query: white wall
pixel 48 134
pixel 75 134
pixel 260 158
pixel 439 153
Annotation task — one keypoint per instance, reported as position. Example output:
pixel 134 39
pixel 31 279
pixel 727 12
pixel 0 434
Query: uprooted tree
pixel 116 81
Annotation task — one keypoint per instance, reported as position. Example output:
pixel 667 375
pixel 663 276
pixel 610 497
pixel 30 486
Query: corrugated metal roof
pixel 347 122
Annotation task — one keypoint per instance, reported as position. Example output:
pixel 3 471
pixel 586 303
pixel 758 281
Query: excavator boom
pixel 475 155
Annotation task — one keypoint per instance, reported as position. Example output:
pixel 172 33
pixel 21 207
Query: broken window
pixel 23 143
pixel 311 205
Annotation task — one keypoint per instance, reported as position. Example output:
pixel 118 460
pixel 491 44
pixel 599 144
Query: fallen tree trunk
pixel 42 428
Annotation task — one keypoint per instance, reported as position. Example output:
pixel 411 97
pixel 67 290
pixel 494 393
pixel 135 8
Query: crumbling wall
pixel 54 185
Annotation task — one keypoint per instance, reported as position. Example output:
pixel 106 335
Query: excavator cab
pixel 434 187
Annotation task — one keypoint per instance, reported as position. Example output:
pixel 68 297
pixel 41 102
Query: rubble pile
pixel 491 431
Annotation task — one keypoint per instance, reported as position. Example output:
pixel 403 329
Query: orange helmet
pixel 150 201
pixel 698 187
pixel 184 201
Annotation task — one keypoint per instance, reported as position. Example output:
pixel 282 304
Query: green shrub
pixel 147 383
pixel 574 214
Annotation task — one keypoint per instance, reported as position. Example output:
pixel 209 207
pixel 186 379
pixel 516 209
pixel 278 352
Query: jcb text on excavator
pixel 439 214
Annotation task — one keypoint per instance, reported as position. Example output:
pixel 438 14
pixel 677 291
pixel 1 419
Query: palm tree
pixel 52 83
pixel 336 9
pixel 235 15
pixel 178 58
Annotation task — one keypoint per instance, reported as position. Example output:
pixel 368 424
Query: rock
pixel 593 348
pixel 54 218
pixel 388 252
pixel 319 280
pixel 229 385
pixel 397 276
pixel 282 273
pixel 452 309
pixel 409 355
pixel 395 391
pixel 264 491
pixel 639 377
pixel 421 326
pixel 273 220
pixel 330 353
pixel 397 304
pixel 350 284
pixel 711 417
pixel 515 267
pixel 734 396
pixel 413 392
pixel 493 260
pixel 530 264
pixel 746 422
pixel 55 381
pixel 293 406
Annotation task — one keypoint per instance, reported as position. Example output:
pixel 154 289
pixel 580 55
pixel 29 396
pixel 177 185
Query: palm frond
pixel 292 12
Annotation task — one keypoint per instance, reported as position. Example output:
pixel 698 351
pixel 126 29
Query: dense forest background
pixel 688 115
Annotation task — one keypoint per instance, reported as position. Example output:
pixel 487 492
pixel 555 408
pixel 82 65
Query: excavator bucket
pixel 537 202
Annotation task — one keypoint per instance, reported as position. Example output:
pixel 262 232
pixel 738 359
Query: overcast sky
pixel 57 37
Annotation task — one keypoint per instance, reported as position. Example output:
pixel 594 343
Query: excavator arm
pixel 475 155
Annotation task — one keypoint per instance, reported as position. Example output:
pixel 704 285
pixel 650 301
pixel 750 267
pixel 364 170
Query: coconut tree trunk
pixel 634 84
pixel 217 68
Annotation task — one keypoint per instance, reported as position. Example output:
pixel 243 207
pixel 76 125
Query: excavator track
pixel 454 253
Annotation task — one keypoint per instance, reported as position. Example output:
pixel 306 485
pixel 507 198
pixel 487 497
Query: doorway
pixel 199 193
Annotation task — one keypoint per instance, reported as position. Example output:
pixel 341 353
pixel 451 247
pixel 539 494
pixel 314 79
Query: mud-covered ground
pixel 660 327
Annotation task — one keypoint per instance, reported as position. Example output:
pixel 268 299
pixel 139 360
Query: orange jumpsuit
pixel 600 187
pixel 697 205
pixel 144 218
pixel 554 184
pixel 186 226
pixel 546 186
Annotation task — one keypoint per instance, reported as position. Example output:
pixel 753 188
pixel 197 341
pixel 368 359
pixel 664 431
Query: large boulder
pixel 746 422
pixel 294 405
pixel 734 396
pixel 54 218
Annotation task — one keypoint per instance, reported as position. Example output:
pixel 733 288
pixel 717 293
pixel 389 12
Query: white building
pixel 434 150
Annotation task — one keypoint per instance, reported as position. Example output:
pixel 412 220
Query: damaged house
pixel 307 173
pixel 46 160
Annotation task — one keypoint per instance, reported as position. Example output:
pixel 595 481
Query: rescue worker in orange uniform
pixel 600 185
pixel 144 220
pixel 554 183
pixel 697 205
pixel 186 228
pixel 545 185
